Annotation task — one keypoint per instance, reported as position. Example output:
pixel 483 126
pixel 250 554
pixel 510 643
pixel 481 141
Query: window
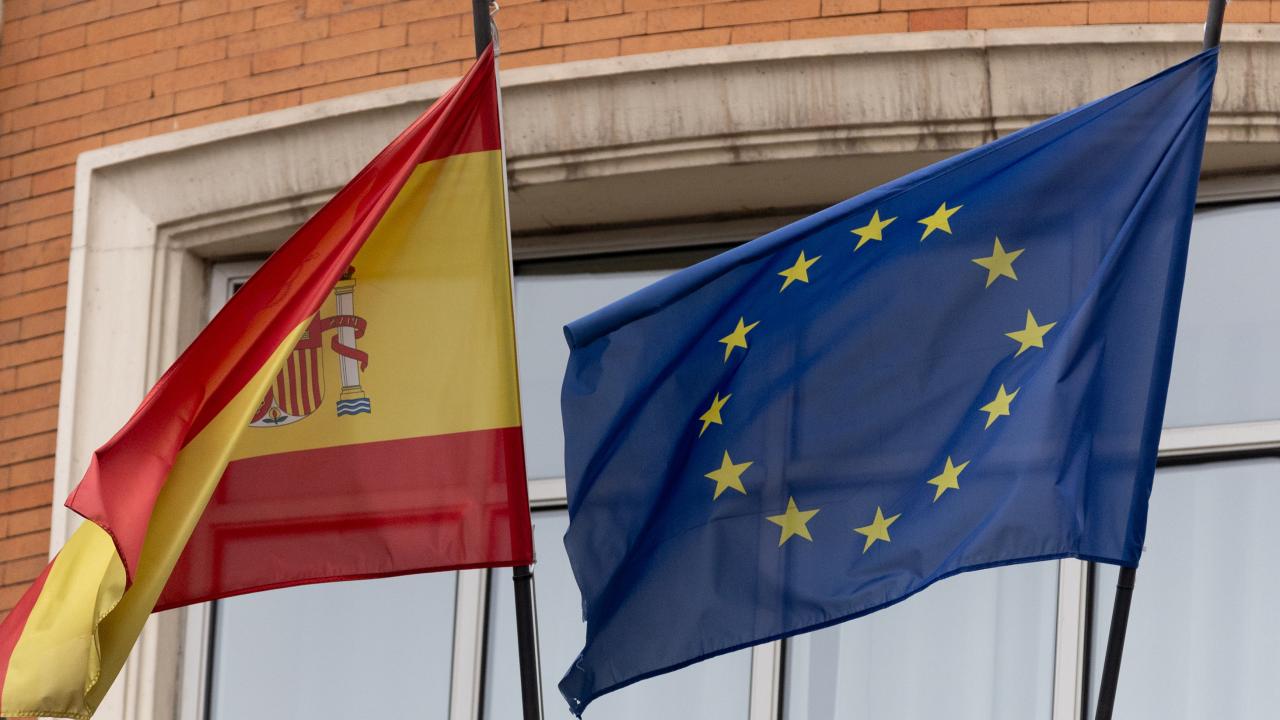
pixel 548 296
pixel 1201 636
pixel 369 648
pixel 714 690
pixel 1202 627
pixel 996 644
pixel 976 646
pixel 1227 341
pixel 327 650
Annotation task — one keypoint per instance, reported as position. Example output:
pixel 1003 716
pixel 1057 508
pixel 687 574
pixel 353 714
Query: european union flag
pixel 962 369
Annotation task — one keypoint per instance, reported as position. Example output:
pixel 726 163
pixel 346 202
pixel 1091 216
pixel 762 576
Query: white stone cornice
pixel 715 130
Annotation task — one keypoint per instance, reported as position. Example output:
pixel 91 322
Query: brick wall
pixel 82 74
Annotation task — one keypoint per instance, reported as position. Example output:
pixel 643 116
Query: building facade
pixel 152 153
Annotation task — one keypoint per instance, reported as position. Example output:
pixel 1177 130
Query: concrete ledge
pixel 828 117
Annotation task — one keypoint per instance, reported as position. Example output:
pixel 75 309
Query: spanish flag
pixel 351 413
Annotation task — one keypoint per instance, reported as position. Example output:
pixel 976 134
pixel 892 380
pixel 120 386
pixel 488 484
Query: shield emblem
pixel 299 387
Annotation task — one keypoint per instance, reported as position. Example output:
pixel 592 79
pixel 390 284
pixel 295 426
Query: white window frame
pixel 197 632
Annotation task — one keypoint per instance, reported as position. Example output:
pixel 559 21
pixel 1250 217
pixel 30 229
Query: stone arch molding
pixel 708 144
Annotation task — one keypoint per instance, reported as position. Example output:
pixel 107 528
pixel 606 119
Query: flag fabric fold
pixel 351 412
pixel 962 369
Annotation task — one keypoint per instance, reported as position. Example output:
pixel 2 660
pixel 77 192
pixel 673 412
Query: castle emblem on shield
pixel 299 388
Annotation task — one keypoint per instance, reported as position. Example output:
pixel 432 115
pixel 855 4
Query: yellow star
pixel 949 479
pixel 877 530
pixel 998 407
pixel 793 522
pixel 940 220
pixel 737 338
pixel 871 231
pixel 1030 336
pixel 999 264
pixel 712 415
pixel 728 475
pixel 799 271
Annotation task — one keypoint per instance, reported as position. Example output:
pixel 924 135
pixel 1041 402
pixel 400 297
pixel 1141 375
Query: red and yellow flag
pixel 351 413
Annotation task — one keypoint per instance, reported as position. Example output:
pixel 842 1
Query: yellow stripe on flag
pixel 85 582
pixel 84 623
pixel 433 284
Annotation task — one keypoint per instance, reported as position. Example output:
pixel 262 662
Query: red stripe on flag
pixel 442 502
pixel 16 621
pixel 292 365
pixel 313 358
pixel 304 382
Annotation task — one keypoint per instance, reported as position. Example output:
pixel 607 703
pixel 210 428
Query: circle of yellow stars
pixel 793 521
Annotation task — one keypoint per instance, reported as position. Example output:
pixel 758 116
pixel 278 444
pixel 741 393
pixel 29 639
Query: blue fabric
pixel 857 386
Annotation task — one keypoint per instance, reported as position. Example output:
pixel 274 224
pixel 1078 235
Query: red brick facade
pixel 78 75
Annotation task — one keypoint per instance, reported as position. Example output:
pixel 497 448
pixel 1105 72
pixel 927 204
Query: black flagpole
pixel 521 575
pixel 1213 23
pixel 1124 585
pixel 480 21
pixel 1115 639
pixel 527 638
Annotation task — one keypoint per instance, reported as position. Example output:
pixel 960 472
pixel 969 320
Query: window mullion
pixel 1068 666
pixel 766 681
pixel 468 645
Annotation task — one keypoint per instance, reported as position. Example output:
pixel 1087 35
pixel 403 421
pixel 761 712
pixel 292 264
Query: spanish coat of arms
pixel 298 389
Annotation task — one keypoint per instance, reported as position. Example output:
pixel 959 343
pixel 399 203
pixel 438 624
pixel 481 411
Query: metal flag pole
pixel 1115 643
pixel 527 639
pixel 1213 23
pixel 521 575
pixel 1124 585
pixel 480 21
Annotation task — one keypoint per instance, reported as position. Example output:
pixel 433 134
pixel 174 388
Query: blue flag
pixel 961 369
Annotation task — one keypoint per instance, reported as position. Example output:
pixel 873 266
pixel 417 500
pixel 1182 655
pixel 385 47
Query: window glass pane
pixel 544 305
pixel 717 689
pixel 370 648
pixel 976 646
pixel 1227 337
pixel 1202 640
